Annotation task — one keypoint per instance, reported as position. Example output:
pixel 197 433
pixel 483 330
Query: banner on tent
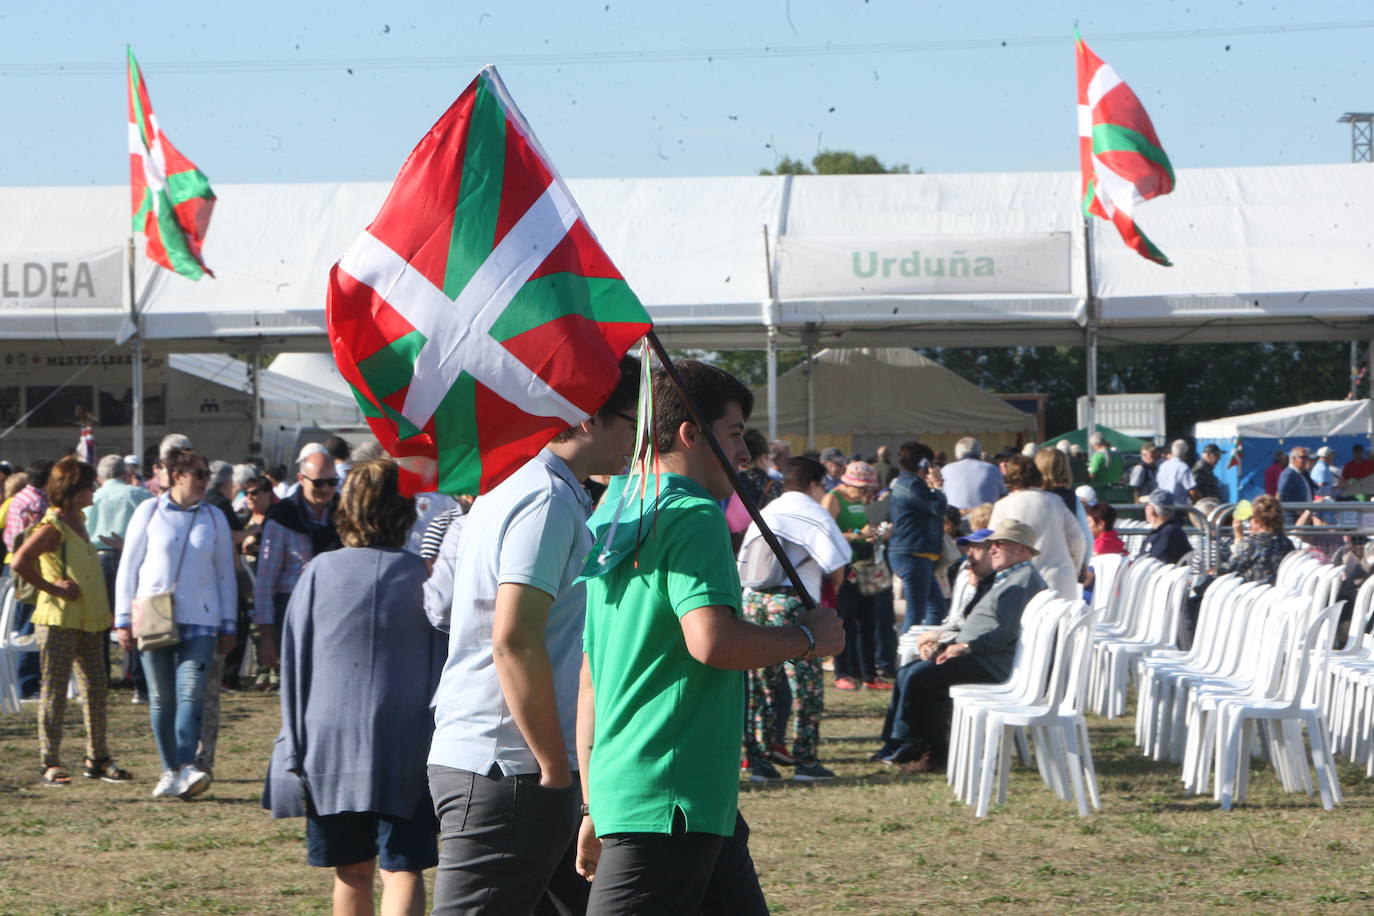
pixel 62 279
pixel 816 267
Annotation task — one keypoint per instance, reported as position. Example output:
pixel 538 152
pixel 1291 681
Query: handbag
pixel 871 577
pixel 155 624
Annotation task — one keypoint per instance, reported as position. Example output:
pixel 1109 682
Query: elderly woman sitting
pixel 1256 556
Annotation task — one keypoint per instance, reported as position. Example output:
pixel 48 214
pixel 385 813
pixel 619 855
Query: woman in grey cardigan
pixel 360 662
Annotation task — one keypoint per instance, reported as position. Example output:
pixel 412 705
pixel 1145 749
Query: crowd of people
pixel 565 678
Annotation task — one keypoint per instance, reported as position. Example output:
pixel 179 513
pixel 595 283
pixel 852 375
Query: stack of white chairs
pixel 1055 721
pixel 1025 684
pixel 1106 567
pixel 1119 619
pixel 1350 687
pixel 10 651
pixel 1155 628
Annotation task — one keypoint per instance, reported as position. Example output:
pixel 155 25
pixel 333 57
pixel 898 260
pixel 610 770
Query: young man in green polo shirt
pixel 662 693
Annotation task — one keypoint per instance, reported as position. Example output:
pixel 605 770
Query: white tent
pixel 858 398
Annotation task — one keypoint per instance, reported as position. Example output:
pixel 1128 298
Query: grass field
pixel 872 842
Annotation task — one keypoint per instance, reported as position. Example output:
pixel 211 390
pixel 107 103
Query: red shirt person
pixel 1271 473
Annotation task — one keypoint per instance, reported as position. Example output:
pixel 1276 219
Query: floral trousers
pixel 805 679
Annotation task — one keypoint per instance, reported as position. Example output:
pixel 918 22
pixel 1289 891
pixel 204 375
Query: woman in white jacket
pixel 1058 537
pixel 179 544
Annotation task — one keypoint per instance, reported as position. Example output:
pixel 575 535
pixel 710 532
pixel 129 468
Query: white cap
pixel 1087 494
pixel 132 461
pixel 1324 451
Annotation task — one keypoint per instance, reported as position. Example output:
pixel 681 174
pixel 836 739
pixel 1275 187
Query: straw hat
pixel 1016 531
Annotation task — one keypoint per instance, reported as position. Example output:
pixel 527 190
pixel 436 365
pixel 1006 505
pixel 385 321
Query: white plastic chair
pixel 9 664
pixel 1060 734
pixel 1294 703
pixel 1167 592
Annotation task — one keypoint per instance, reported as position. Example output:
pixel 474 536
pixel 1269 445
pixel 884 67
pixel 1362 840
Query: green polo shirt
pixel 1104 469
pixel 667 727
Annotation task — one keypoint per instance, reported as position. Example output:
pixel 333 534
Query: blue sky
pixel 260 92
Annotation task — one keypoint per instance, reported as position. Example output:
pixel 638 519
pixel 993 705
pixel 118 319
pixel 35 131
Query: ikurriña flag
pixel 172 200
pixel 1122 161
pixel 477 316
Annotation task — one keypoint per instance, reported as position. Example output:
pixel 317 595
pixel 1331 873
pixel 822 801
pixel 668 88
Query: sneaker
pixel 912 753
pixel 812 772
pixel 846 683
pixel 166 786
pixel 878 683
pixel 778 754
pixel 139 699
pixel 192 781
pixel 884 753
pixel 761 770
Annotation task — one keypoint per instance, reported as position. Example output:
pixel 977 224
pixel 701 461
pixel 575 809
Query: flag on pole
pixel 477 316
pixel 1122 161
pixel 172 200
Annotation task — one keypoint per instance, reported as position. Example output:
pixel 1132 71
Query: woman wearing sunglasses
pixel 179 545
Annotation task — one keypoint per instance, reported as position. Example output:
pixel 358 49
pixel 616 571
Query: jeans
pixel 176 691
pixel 925 603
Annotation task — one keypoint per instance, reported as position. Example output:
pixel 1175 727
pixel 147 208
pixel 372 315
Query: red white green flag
pixel 172 199
pixel 477 316
pixel 1122 161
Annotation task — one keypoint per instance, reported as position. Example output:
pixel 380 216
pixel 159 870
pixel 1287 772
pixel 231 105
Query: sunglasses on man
pixel 323 482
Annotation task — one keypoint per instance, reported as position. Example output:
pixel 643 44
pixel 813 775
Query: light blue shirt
pixel 109 513
pixel 1175 476
pixel 530 530
pixel 970 482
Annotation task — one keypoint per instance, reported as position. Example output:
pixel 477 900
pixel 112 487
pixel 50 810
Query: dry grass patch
pixel 873 842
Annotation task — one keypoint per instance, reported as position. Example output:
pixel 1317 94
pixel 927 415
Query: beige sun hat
pixel 1016 531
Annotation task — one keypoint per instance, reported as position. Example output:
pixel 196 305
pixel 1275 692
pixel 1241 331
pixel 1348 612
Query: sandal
pixel 105 769
pixel 56 776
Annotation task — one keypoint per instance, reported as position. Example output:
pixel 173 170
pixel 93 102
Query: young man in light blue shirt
pixel 503 755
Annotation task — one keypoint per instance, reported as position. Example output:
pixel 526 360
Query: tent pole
pixel 772 384
pixel 136 365
pixel 255 369
pixel 810 400
pixel 1090 330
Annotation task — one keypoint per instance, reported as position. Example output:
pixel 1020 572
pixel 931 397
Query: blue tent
pixel 1338 424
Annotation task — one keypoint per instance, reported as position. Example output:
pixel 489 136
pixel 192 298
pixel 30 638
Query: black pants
pixel 506 845
pixel 648 874
pixel 920 707
pixel 857 612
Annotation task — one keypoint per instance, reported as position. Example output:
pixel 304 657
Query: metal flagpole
pixel 1090 328
pixel 136 364
pixel 753 510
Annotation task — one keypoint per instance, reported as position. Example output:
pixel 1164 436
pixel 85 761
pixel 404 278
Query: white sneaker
pixel 192 781
pixel 167 785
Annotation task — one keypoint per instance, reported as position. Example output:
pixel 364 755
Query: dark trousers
pixel 884 633
pixel 920 708
pixel 506 845
pixel 30 674
pixel 677 873
pixel 857 613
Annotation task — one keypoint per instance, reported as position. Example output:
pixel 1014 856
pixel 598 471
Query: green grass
pixel 873 842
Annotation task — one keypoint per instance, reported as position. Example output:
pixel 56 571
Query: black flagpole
pixel 768 536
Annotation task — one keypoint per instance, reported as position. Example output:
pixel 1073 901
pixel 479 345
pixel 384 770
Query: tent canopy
pixel 862 398
pixel 1117 440
pixel 1249 441
pixel 1271 253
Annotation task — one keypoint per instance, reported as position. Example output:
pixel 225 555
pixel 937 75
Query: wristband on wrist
pixel 586 810
pixel 810 640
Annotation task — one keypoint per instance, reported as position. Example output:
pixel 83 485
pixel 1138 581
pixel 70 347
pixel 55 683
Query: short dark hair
pixel 800 474
pixel 711 388
pixel 1021 473
pixel 67 478
pixel 911 454
pixel 181 460
pixel 38 471
pixel 336 447
pixel 756 443
pixel 623 398
pixel 1104 513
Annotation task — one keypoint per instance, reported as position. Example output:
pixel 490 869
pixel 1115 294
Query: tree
pixel 837 162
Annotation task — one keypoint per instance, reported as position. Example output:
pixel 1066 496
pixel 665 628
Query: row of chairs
pixel 11 649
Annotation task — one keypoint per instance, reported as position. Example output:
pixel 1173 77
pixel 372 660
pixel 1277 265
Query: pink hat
pixel 860 474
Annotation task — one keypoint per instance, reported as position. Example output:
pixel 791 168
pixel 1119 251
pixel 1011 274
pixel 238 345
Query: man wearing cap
pixel 980 651
pixel 1205 483
pixel 834 462
pixel 1166 542
pixel 1325 473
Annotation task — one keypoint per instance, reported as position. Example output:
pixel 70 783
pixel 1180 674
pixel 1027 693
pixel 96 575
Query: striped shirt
pixel 26 508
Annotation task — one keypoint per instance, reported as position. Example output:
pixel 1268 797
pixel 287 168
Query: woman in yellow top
pixel 72 619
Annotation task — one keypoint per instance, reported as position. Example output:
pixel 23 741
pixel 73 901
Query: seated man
pixel 1166 543
pixel 916 731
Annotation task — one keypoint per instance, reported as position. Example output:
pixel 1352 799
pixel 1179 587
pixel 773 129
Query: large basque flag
pixel 477 316
pixel 172 200
pixel 1121 159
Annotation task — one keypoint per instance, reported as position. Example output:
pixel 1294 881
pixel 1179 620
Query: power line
pixel 710 55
